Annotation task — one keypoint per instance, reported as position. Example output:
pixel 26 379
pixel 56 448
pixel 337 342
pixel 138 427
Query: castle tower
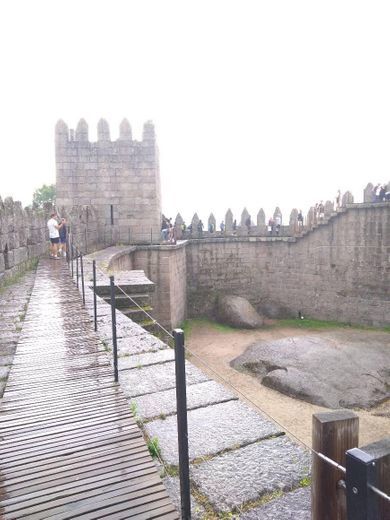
pixel 118 179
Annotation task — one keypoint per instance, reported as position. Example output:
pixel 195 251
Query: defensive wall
pixel 334 267
pixel 337 270
pixel 23 237
pixel 116 182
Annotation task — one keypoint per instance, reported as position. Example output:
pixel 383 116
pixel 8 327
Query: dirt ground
pixel 214 349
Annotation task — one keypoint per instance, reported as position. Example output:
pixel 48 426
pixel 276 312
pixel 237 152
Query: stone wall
pixel 338 271
pixel 116 183
pixel 23 237
pixel 166 267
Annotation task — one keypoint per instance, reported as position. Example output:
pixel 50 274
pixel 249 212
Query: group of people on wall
pixel 381 193
pixel 57 235
pixel 167 230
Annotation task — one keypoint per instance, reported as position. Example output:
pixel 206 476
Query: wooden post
pixel 333 434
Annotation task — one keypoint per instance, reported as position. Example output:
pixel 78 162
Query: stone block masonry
pixel 23 238
pixel 338 271
pixel 117 181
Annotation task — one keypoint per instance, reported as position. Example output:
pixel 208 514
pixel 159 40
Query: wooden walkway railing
pixel 69 447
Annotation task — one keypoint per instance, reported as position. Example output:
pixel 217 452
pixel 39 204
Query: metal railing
pixel 361 482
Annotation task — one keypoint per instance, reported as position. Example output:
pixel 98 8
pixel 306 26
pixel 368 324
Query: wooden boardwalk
pixel 69 447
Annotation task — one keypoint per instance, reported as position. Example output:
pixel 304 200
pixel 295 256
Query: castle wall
pixel 166 267
pixel 117 180
pixel 23 238
pixel 339 271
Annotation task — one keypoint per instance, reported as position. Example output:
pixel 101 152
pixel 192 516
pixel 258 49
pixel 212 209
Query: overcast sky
pixel 255 103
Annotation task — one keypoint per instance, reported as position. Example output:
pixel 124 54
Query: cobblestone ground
pixel 240 459
pixel 13 305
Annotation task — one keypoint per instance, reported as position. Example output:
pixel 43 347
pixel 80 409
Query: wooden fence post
pixel 333 434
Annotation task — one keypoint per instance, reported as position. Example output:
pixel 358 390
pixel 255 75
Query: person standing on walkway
pixel 63 235
pixel 54 235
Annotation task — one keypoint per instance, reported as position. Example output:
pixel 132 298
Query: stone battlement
pixel 119 181
pixel 23 237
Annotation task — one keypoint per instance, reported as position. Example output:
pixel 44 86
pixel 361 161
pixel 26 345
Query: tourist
pixel 171 233
pixel 300 219
pixel 278 223
pixel 54 235
pixel 377 191
pixel 63 234
pixel 234 225
pixel 200 227
pixel 164 228
pixel 382 193
pixel 271 226
pixel 222 226
pixel 321 211
pixel 338 200
pixel 211 227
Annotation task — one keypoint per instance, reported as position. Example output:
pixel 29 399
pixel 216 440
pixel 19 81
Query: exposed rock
pixel 237 312
pixel 335 369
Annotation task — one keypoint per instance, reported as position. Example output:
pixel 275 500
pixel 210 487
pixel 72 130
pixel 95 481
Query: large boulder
pixel 237 312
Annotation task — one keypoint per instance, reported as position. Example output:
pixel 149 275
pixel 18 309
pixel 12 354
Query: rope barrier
pixel 238 391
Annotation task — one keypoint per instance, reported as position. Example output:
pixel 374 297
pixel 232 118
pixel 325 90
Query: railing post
pixel 361 471
pixel 182 427
pixel 82 277
pixel 369 467
pixel 113 321
pixel 77 267
pixel 333 434
pixel 67 250
pixel 94 294
pixel 71 257
pixel 85 240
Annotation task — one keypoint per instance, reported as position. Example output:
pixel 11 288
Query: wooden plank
pixel 70 445
pixel 57 506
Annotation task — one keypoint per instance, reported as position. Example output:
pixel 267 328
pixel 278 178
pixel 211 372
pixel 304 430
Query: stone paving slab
pixel 153 378
pixel 142 360
pixel 212 430
pixel 295 505
pixel 13 304
pixel 172 485
pixel 249 473
pixel 141 343
pixel 198 395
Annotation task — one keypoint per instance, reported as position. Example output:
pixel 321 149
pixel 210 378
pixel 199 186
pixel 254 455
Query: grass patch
pixel 170 470
pixel 188 325
pixel 305 482
pixel 309 323
pixel 154 447
pixel 134 411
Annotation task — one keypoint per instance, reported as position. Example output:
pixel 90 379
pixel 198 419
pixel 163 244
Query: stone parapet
pixel 23 237
pixel 118 180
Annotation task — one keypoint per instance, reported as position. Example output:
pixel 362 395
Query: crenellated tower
pixel 118 180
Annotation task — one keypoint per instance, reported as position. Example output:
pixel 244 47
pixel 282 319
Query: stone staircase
pixel 137 300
